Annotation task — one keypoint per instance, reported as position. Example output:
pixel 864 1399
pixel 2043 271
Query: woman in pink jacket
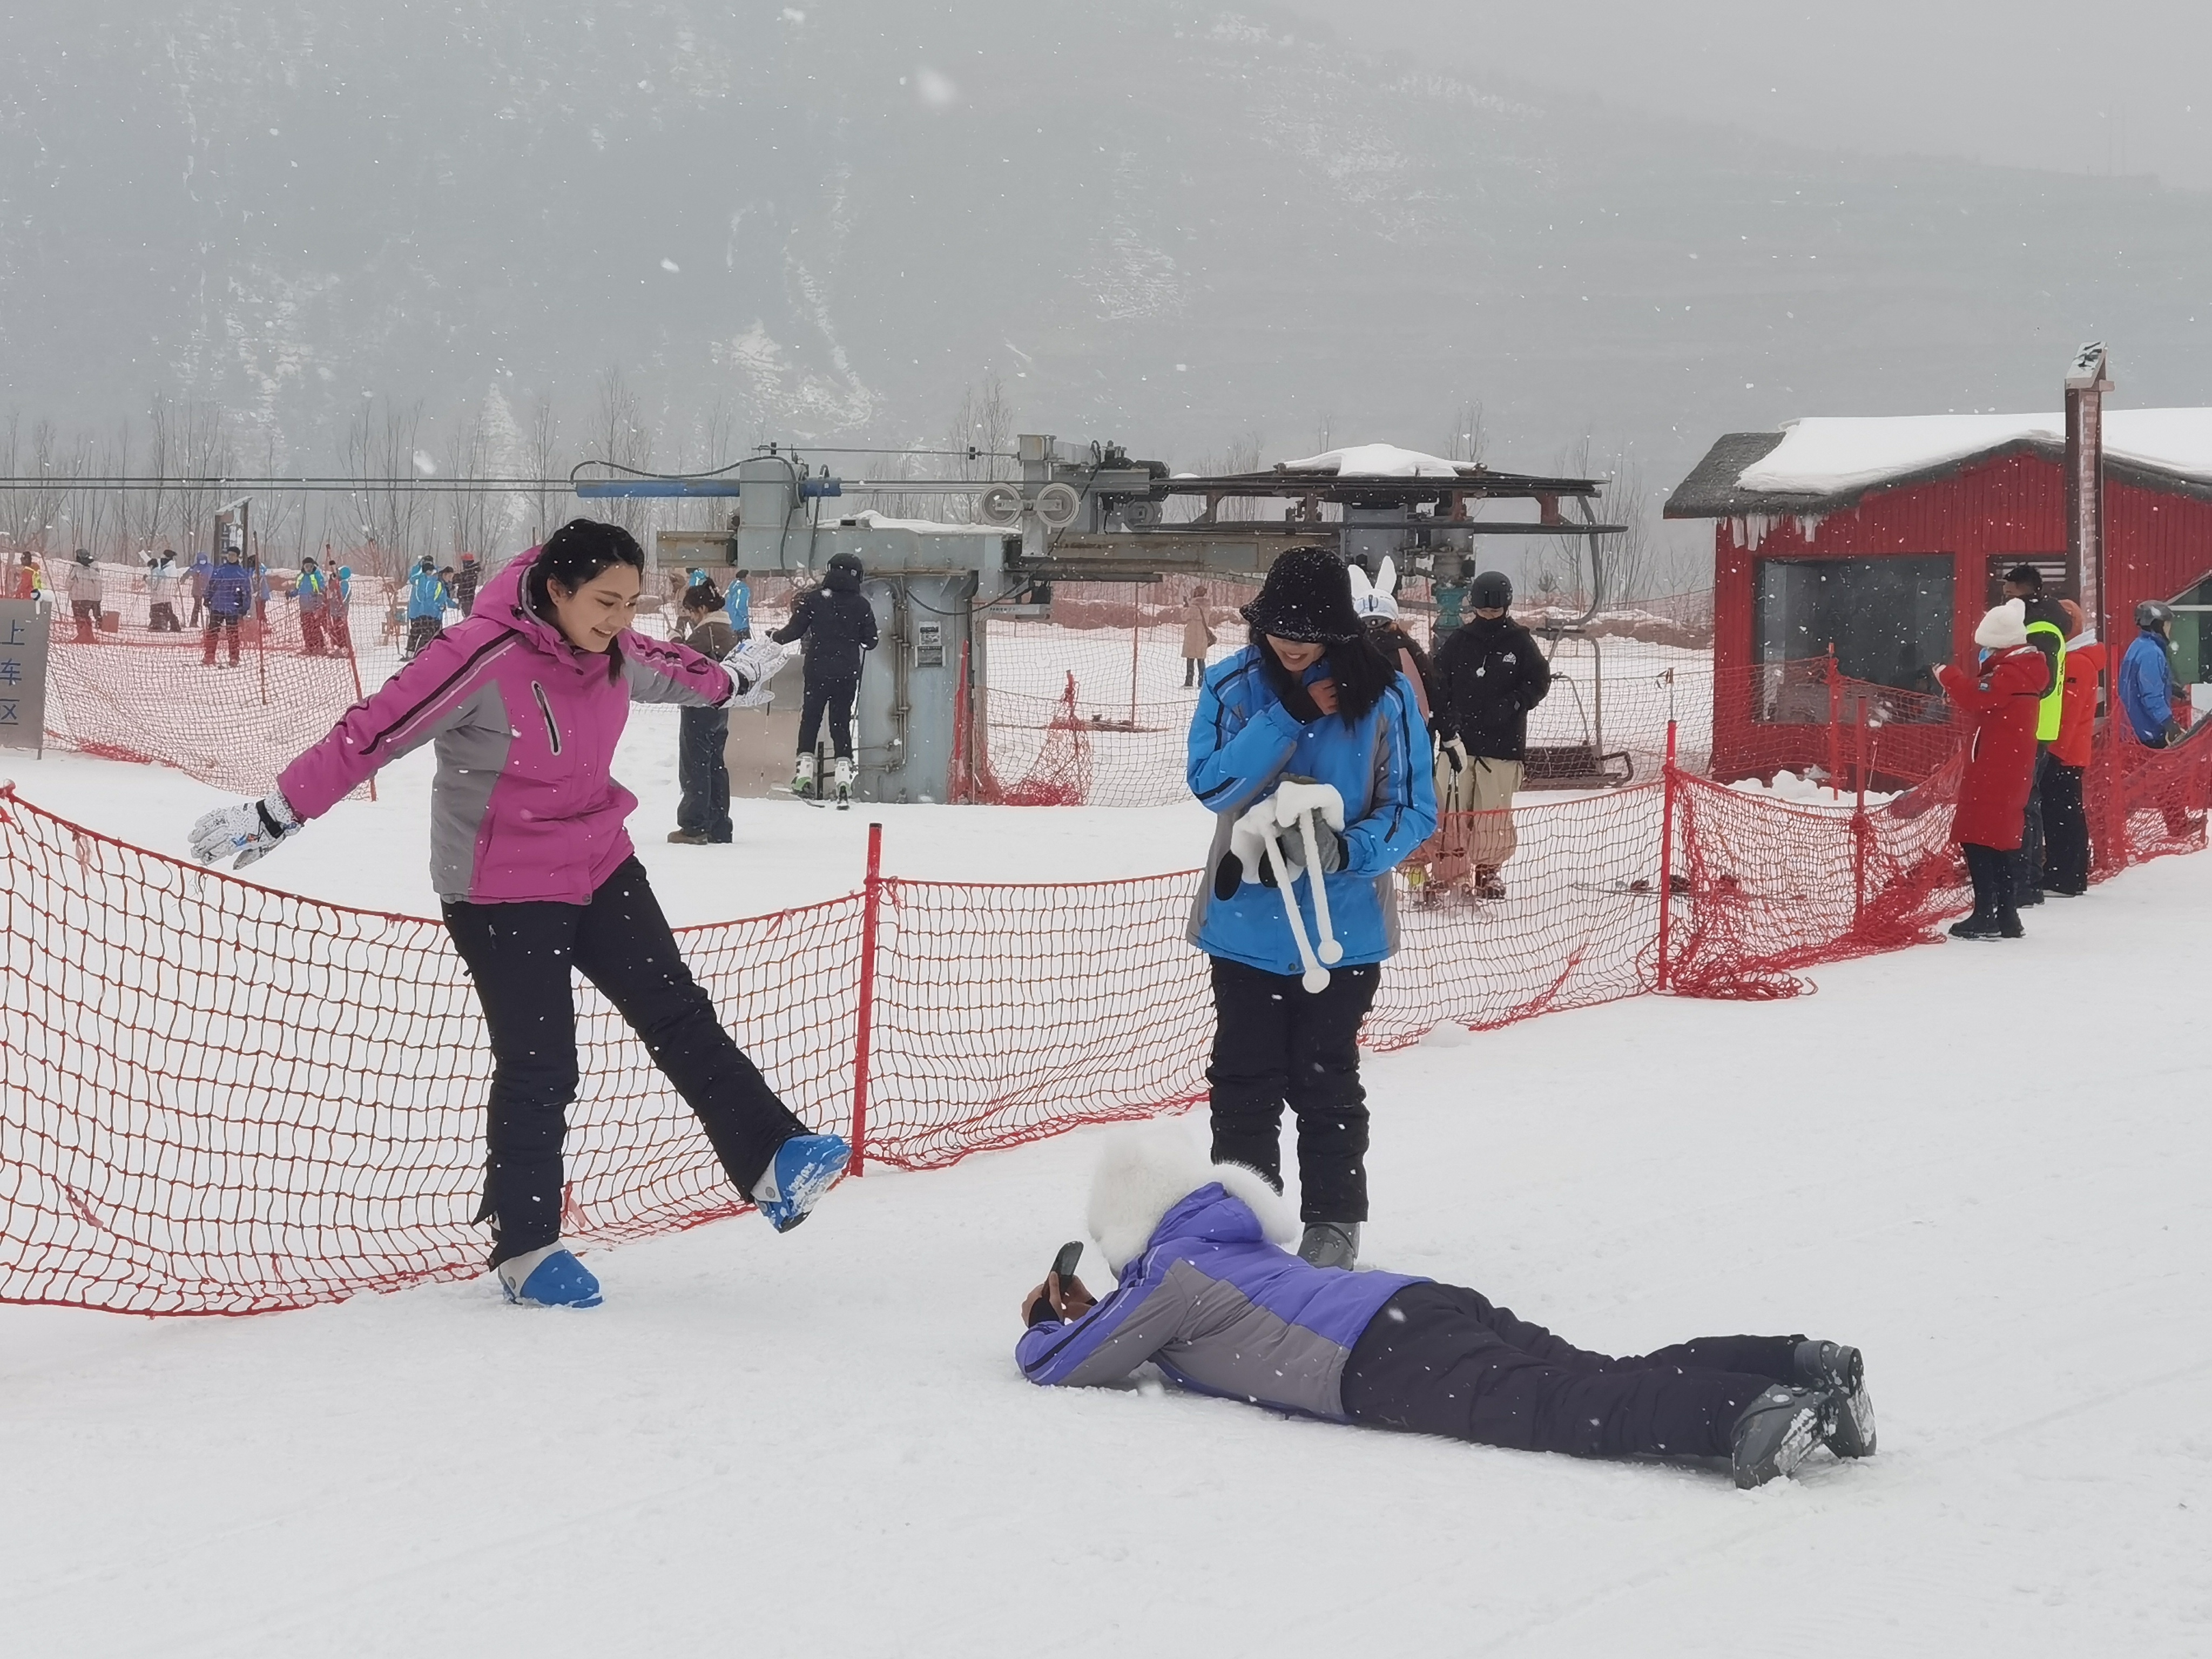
pixel 525 700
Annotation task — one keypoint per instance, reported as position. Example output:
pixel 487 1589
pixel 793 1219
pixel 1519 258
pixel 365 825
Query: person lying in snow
pixel 1208 1295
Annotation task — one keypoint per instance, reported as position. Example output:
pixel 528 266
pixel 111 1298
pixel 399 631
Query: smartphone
pixel 1064 1263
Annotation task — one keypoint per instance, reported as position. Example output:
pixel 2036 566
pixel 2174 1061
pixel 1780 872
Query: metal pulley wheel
pixel 1000 505
pixel 1057 504
pixel 1140 515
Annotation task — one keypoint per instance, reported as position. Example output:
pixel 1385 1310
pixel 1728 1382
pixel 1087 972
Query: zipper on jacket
pixel 552 732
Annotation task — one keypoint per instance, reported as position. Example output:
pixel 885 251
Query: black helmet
pixel 84 556
pixel 1491 591
pixel 843 573
pixel 2150 613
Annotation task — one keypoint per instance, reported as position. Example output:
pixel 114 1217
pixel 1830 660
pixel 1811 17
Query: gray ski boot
pixel 1833 1366
pixel 1331 1245
pixel 1778 1431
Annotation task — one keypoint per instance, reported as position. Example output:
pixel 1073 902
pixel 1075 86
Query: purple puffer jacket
pixel 525 806
pixel 1221 1309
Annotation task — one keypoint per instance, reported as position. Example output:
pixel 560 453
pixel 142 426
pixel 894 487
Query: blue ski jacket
pixel 738 603
pixel 1243 743
pixel 2146 688
pixel 426 596
pixel 229 591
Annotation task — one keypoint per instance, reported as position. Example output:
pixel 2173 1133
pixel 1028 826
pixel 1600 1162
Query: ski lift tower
pixel 1077 512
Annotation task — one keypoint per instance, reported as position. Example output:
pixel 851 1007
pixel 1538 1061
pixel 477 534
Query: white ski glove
pixel 251 830
pixel 752 666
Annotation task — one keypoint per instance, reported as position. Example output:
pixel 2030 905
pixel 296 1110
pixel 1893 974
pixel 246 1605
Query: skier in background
pixel 84 596
pixel 229 597
pixel 313 591
pixel 838 627
pixel 202 567
pixel 2147 689
pixel 1489 673
pixel 737 603
pixel 426 608
pixel 539 882
pixel 1207 1294
pixel 2065 817
pixel 337 614
pixel 1309 700
pixel 1198 638
pixel 2004 695
pixel 464 586
pixel 702 816
pixel 161 594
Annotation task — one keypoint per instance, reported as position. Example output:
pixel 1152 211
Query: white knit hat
pixel 2005 625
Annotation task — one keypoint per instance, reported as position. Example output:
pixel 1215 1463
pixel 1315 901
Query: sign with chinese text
pixel 22 674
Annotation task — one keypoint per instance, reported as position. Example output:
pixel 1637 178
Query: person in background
pixel 84 597
pixel 2047 630
pixel 1310 702
pixel 838 627
pixel 161 594
pixel 738 606
pixel 2065 818
pixel 426 608
pixel 229 598
pixel 202 567
pixel 2147 689
pixel 313 591
pixel 1207 1293
pixel 464 586
pixel 2003 695
pixel 1490 674
pixel 23 577
pixel 702 816
pixel 259 579
pixel 1198 638
pixel 337 614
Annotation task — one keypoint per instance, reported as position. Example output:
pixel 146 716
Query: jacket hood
pixel 1145 1173
pixel 500 599
pixel 841 579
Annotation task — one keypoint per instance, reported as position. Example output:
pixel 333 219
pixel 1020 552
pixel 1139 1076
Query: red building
pixel 1881 541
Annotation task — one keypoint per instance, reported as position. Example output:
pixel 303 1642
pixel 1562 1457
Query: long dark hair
pixel 575 553
pixel 1361 672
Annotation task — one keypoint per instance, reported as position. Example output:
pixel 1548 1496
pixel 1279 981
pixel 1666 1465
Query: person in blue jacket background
pixel 229 598
pixel 738 604
pixel 2146 687
pixel 427 599
pixel 1310 699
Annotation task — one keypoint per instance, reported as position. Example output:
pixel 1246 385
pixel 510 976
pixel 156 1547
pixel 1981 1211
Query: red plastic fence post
pixel 354 663
pixel 871 909
pixel 1859 829
pixel 1665 854
pixel 961 792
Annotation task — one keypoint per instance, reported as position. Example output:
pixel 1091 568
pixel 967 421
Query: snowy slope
pixel 2009 1215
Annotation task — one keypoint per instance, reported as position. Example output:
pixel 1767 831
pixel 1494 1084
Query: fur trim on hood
pixel 2005 625
pixel 1146 1172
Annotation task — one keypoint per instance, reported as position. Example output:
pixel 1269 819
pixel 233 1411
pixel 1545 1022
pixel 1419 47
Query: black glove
pixel 1328 852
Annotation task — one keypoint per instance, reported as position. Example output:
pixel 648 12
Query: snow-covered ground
pixel 1983 1164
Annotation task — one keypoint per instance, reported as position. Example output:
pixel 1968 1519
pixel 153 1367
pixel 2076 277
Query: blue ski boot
pixel 548 1277
pixel 803 1169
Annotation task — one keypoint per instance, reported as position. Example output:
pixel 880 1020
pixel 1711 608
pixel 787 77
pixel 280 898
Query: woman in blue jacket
pixel 1309 700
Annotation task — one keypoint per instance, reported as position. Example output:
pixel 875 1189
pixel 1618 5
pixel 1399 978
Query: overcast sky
pixel 2086 86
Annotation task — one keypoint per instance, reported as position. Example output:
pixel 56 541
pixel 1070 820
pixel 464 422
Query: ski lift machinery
pixel 1073 512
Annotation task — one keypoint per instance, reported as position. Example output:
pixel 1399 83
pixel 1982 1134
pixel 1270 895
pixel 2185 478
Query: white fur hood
pixel 1144 1173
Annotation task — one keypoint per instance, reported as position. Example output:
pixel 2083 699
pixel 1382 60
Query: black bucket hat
pixel 1307 598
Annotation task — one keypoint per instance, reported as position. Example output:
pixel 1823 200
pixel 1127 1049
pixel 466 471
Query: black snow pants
pixel 704 771
pixel 2027 868
pixel 1991 870
pixel 420 630
pixel 521 957
pixel 1275 1043
pixel 831 694
pixel 1442 1360
pixel 2065 831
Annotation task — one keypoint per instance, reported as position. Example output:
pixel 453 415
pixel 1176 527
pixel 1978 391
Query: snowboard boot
pixel 687 837
pixel 802 781
pixel 803 1168
pixel 549 1277
pixel 1778 1431
pixel 1979 926
pixel 1330 1244
pixel 844 783
pixel 1840 1370
pixel 1486 883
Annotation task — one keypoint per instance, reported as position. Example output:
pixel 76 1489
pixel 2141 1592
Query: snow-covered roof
pixel 1826 464
pixel 1377 461
pixel 1829 455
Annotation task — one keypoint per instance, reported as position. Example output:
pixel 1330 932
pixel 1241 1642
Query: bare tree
pixel 378 451
pixel 619 436
pixel 466 452
pixel 980 435
pixel 545 457
pixel 1467 442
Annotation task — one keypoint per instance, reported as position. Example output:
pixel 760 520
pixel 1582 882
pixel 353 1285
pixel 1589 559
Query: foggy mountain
pixel 1161 222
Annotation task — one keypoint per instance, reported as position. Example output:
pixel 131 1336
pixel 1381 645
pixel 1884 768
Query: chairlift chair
pixel 1583 765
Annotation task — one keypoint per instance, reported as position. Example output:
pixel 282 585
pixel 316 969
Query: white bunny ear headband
pixel 1374 599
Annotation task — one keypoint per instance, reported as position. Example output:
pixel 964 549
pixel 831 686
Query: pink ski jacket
pixel 525 806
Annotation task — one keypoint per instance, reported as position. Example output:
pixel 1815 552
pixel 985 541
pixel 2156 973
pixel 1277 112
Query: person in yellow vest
pixel 2048 631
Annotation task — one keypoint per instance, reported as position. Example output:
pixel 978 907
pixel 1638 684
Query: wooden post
pixel 1666 854
pixel 1835 725
pixel 871 911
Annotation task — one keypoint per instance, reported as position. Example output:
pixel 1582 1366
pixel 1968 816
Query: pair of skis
pixel 1256 842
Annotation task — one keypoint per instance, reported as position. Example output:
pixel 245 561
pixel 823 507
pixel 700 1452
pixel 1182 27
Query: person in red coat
pixel 2003 695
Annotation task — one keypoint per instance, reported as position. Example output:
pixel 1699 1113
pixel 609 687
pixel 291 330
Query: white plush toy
pixel 1378 598
pixel 1255 839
